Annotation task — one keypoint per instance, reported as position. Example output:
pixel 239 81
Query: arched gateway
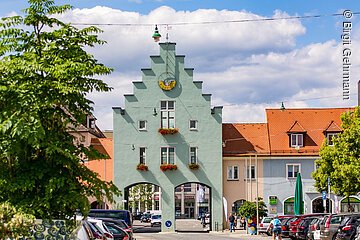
pixel 168 135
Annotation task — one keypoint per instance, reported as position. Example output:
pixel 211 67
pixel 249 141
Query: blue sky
pixel 297 62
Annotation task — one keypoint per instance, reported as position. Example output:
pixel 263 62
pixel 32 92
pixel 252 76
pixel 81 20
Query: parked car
pixel 96 231
pixel 117 232
pixel 100 225
pixel 295 222
pixel 84 232
pixel 118 214
pixel 357 236
pixel 285 225
pixel 329 226
pixel 348 226
pixel 146 217
pixel 137 216
pixel 155 220
pixel 264 225
pixel 303 227
pixel 314 228
pixel 120 223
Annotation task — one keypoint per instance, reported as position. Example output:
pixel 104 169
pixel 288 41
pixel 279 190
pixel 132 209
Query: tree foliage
pixel 248 209
pixel 341 161
pixel 45 75
pixel 14 223
pixel 140 196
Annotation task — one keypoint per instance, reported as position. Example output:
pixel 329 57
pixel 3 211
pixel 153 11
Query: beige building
pixel 244 148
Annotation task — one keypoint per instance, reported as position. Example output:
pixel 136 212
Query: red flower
pixel 165 131
pixel 194 166
pixel 165 167
pixel 142 167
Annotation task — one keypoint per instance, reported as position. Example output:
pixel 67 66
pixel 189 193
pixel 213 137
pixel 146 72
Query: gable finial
pixel 282 108
pixel 156 36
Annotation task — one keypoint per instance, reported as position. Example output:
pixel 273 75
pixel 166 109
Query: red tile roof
pixel 314 121
pixel 296 128
pixel 333 127
pixel 244 139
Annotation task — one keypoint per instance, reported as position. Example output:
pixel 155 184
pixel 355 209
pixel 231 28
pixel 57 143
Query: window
pixel 193 124
pixel 193 155
pixel 142 155
pixel 297 140
pixel 187 187
pixel 232 173
pixel 142 125
pixel 91 123
pixel 167 155
pixel 292 170
pixel 330 138
pixel 167 114
pixel 250 173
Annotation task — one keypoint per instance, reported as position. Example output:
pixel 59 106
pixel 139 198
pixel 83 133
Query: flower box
pixel 142 167
pixel 165 131
pixel 165 167
pixel 193 166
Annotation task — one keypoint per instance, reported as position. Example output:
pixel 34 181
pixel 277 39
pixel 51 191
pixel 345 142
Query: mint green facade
pixel 190 104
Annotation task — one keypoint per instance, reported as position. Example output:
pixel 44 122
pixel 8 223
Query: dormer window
pixel 297 140
pixel 91 123
pixel 330 138
pixel 296 134
pixel 331 132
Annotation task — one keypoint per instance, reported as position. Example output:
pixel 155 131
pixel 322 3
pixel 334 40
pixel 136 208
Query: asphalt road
pixel 143 231
pixel 198 236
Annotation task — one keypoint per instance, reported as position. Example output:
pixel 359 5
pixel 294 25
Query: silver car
pixel 264 225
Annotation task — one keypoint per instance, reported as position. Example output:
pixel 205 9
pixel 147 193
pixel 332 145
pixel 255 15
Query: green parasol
pixel 298 201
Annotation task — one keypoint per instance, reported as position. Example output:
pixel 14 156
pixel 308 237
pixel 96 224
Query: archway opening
pixel 318 205
pixel 350 204
pixel 143 200
pixel 192 207
pixel 99 205
pixel 289 206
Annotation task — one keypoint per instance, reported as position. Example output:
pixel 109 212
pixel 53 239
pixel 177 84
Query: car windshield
pixel 156 217
pixel 266 220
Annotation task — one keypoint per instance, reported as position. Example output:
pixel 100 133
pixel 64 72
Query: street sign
pixel 168 223
pixel 272 200
pixel 323 195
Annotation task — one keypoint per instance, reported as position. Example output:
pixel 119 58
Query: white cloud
pixel 246 66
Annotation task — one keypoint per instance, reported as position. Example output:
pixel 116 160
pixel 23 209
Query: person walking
pixel 232 222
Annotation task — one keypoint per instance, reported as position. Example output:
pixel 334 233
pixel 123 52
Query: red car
pixel 297 219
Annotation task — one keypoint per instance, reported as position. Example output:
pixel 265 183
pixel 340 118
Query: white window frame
pixel 330 140
pixel 167 114
pixel 145 125
pixel 297 137
pixel 195 122
pixel 247 174
pixel 293 167
pixel 167 155
pixel 196 155
pixel 142 157
pixel 232 168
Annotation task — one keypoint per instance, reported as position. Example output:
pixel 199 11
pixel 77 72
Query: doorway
pixel 318 205
pixel 192 207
